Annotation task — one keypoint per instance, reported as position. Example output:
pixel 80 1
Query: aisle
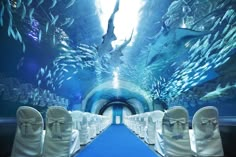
pixel 116 141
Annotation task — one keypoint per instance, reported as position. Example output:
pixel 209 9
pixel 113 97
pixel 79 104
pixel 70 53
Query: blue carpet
pixel 116 141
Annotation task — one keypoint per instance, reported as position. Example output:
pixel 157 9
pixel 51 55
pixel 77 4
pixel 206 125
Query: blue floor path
pixel 116 141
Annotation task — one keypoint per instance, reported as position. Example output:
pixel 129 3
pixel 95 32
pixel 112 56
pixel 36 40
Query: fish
pixel 89 63
pixel 65 70
pixel 2 13
pixel 227 14
pixel 226 29
pixel 54 2
pixel 205 45
pixel 222 43
pixel 23 11
pixel 42 71
pixel 29 2
pixel 215 24
pixel 9 30
pixel 71 60
pixel 61 57
pixel 85 49
pixel 40 2
pixel 23 47
pixel 82 66
pixel 40 36
pixel 54 20
pixel 196 45
pixel 39 82
pixel 215 45
pixel 70 4
pixel 110 36
pixel 116 54
pixel 10 15
pixel 31 15
pixel 19 36
pixel 62 64
pixel 173 40
pixel 13 34
pixel 216 35
pixel 46 27
pixel 46 68
pixel 48 83
pixel 67 20
pixel 223 62
pixel 60 86
pixel 71 22
pixel 84 45
pixel 21 62
pixel 230 33
pixel 60 76
pixel 54 39
pixel 232 18
pixel 75 72
pixel 69 78
pixel 51 16
pixel 65 44
pixel 49 75
pixel 218 92
pixel 60 83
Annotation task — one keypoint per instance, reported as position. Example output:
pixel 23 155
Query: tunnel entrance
pixel 117 116
pixel 116 111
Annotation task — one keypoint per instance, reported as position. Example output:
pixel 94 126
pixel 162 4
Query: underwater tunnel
pixel 117 78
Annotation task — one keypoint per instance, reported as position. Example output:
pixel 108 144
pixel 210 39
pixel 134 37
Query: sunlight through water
pixel 126 19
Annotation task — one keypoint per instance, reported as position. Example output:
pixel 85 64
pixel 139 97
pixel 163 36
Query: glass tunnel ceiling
pixel 165 49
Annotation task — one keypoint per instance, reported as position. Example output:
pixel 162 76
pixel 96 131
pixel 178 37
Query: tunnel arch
pixel 129 93
pixel 131 108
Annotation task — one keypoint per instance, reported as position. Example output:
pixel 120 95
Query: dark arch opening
pixel 124 104
pixel 113 95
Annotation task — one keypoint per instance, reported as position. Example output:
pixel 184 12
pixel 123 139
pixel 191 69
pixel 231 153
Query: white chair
pixel 175 132
pixel 76 118
pixel 159 143
pixel 98 126
pixel 75 142
pixel 153 125
pixel 206 132
pixel 84 130
pixel 92 125
pixel 29 133
pixel 58 137
pixel 139 124
pixel 143 120
pixel 134 123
